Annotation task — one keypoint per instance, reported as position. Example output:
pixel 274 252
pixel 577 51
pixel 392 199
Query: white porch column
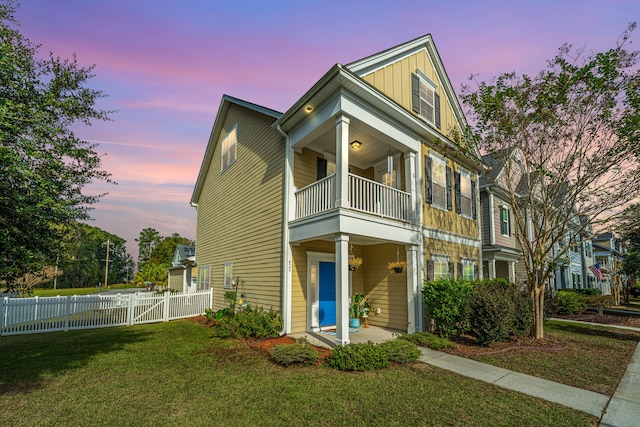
pixel 410 183
pixel 185 285
pixel 413 299
pixel 342 289
pixel 512 271
pixel 342 161
pixel 492 268
pixel 492 223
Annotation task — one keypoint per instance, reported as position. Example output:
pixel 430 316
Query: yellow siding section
pixel 443 219
pixel 384 290
pixel 175 280
pixel 455 251
pixel 230 204
pixel 394 80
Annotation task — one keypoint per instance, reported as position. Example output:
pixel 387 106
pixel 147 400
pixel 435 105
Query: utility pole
pixel 106 265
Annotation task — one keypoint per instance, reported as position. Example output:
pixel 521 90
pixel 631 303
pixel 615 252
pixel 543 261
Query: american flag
pixel 595 269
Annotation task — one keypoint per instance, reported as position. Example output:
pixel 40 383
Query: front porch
pixel 375 334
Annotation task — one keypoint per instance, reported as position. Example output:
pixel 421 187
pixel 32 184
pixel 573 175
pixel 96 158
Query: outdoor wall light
pixel 356 145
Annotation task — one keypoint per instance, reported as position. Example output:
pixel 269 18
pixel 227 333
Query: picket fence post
pixel 5 300
pixel 131 304
pixel 165 317
pixel 67 313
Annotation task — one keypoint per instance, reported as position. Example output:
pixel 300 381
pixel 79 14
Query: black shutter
pixel 415 93
pixel 460 270
pixel 509 222
pixel 428 190
pixel 322 168
pixel 475 272
pixel 430 270
pixel 436 100
pixel 449 198
pixel 458 193
pixel 451 272
pixel 474 213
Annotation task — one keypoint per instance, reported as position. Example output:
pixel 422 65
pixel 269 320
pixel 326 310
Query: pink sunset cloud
pixel 165 66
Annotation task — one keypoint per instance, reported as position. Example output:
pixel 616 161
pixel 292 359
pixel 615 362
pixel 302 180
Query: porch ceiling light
pixel 308 108
pixel 356 145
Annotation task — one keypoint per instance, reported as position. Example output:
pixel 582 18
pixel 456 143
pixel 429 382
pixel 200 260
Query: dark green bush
pixel 298 353
pixel 491 312
pixel 400 351
pixel 358 357
pixel 446 304
pixel 570 302
pixel 427 339
pixel 523 312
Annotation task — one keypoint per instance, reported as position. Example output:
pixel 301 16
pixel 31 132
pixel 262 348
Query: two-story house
pixel 500 249
pixel 361 165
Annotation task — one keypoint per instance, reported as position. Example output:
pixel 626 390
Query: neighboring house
pixel 500 249
pixel 361 165
pixel 607 251
pixel 182 276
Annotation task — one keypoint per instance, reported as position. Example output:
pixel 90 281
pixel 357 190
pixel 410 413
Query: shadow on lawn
pixel 618 334
pixel 30 361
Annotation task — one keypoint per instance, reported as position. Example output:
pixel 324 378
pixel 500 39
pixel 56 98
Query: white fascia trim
pixel 375 62
pixel 445 236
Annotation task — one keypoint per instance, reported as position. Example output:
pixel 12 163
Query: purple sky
pixel 166 64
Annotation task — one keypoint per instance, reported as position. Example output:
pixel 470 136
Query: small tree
pixel 575 129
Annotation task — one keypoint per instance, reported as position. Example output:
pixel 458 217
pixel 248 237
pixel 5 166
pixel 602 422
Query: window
pixel 425 99
pixel 439 182
pixel 228 274
pixel 228 153
pixel 576 279
pixel 464 193
pixel 505 221
pixel 468 269
pixel 587 250
pixel 204 277
pixel 440 267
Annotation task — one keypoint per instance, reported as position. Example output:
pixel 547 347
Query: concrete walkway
pixel 621 410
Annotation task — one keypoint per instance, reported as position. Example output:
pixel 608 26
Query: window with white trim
pixel 468 269
pixel 465 193
pixel 228 275
pixel 440 267
pixel 204 277
pixel 439 182
pixel 228 152
pixel 425 99
pixel 505 223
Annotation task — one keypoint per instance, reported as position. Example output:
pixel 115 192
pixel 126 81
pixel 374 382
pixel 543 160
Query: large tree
pixel 44 166
pixel 149 239
pixel 576 125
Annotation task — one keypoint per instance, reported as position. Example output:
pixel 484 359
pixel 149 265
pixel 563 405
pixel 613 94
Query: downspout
pixel 286 257
pixel 479 218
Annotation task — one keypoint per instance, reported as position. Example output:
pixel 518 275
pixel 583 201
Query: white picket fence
pixel 47 314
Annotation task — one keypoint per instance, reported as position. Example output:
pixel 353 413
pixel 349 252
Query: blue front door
pixel 327 293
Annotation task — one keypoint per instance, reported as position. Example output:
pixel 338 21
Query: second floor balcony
pixel 364 195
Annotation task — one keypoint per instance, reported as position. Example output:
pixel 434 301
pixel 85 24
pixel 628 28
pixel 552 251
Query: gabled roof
pixel 225 104
pixel 495 161
pixel 185 251
pixel 374 62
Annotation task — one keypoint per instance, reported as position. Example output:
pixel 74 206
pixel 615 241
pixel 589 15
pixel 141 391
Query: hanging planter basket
pixel 354 261
pixel 396 266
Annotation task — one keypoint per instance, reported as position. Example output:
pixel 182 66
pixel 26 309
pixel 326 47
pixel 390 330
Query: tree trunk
pixel 537 297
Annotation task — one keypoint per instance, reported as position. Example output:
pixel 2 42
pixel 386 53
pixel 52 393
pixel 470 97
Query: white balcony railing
pixel 364 196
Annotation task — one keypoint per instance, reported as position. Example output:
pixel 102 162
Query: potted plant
pixel 354 263
pixel 397 266
pixel 356 310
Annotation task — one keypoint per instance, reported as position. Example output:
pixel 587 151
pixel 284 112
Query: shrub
pixel 523 311
pixel 401 351
pixel 358 357
pixel 427 339
pixel 446 304
pixel 570 302
pixel 491 312
pixel 585 291
pixel 298 353
pixel 248 323
pixel 600 302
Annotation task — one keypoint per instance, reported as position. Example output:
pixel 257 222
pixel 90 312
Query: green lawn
pixel 177 374
pixel 595 358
